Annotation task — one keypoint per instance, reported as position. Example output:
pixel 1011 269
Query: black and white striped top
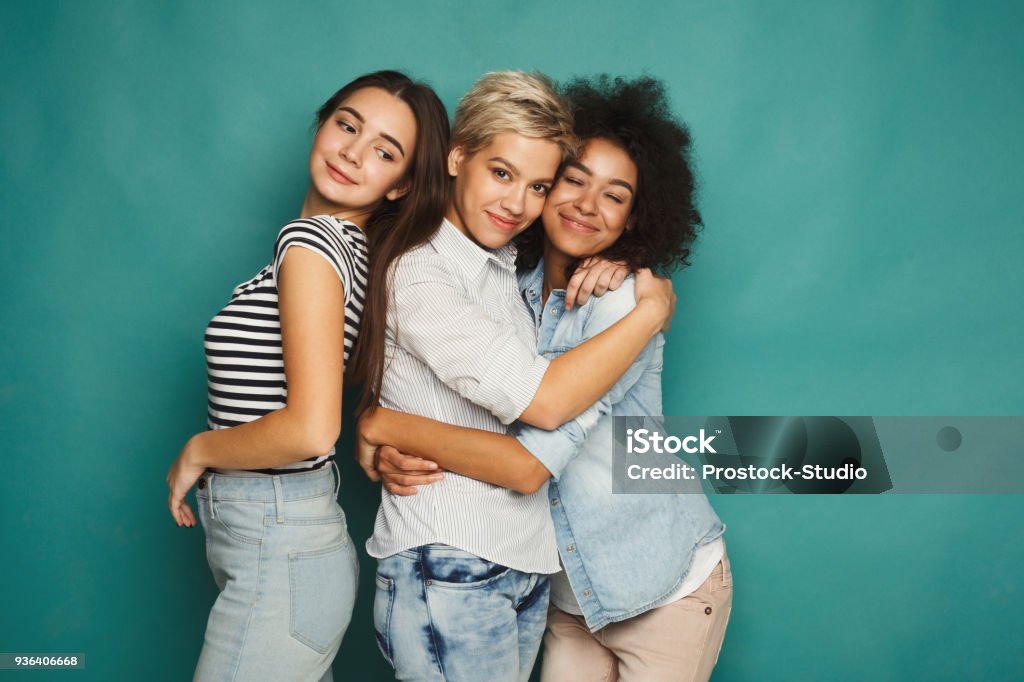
pixel 244 360
pixel 461 348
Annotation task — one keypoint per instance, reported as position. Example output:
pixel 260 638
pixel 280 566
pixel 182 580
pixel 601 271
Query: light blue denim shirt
pixel 623 554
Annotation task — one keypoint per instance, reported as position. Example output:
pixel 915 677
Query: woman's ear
pixel 399 190
pixel 455 159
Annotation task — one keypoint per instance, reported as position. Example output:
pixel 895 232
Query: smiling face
pixel 589 208
pixel 500 189
pixel 360 155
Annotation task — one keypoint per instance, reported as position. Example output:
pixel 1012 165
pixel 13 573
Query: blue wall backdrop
pixel 861 183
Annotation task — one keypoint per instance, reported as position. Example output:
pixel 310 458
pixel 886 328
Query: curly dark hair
pixel 635 115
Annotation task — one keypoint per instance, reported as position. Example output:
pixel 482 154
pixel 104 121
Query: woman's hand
pixel 657 292
pixel 182 476
pixel 381 462
pixel 401 473
pixel 594 275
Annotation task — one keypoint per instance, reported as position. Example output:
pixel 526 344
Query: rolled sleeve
pixel 481 359
pixel 555 449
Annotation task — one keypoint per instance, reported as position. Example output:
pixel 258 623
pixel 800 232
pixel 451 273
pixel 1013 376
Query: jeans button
pixel 201 484
pixel 554 501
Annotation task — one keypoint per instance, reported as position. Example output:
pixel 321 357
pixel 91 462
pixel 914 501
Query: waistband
pixel 263 488
pixel 438 549
pixel 270 472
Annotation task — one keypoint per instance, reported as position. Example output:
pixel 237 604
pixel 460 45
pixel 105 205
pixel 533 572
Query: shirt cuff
pixel 555 449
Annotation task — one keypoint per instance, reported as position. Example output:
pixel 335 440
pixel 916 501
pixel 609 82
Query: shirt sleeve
pixel 483 360
pixel 555 449
pixel 322 238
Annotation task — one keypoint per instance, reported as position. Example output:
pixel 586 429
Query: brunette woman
pixel 277 541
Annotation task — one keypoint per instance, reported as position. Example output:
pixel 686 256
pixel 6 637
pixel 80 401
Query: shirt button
pixel 554 310
pixel 586 593
pixel 570 548
pixel 554 501
pixel 430 582
pixel 707 610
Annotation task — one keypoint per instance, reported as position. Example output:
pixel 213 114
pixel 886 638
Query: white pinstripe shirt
pixel 461 349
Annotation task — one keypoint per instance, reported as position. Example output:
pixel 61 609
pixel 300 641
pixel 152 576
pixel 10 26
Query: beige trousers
pixel 678 642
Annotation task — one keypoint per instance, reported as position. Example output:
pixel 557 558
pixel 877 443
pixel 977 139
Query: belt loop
pixel 209 488
pixel 278 499
pixel 337 472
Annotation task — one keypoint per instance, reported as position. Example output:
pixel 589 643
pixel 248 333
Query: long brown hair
pixel 397 226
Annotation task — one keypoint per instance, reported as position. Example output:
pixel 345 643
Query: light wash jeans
pixel 444 614
pixel 281 555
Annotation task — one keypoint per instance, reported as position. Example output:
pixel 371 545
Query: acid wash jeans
pixel 442 614
pixel 282 557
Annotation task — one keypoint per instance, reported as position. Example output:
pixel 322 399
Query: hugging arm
pixel 614 350
pixel 492 457
pixel 485 362
pixel 521 463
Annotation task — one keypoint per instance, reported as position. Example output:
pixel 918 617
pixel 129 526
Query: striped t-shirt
pixel 244 360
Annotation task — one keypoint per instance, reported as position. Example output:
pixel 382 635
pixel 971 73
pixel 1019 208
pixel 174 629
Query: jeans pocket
pixel 383 603
pixel 460 570
pixel 242 521
pixel 315 511
pixel 322 592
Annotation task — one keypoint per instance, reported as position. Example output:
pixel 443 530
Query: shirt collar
pixel 531 286
pixel 532 280
pixel 460 249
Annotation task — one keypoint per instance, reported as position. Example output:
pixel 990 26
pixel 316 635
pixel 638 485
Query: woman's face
pixel 361 153
pixel 589 207
pixel 500 189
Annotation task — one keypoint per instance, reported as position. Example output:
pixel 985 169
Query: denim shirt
pixel 623 554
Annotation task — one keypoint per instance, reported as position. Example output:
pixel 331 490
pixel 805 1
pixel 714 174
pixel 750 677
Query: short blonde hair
pixel 515 101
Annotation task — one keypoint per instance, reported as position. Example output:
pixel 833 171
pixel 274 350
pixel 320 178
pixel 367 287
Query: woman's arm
pixel 570 385
pixel 311 301
pixel 522 463
pixel 492 457
pixel 487 363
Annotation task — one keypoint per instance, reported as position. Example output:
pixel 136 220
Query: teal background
pixel 860 182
